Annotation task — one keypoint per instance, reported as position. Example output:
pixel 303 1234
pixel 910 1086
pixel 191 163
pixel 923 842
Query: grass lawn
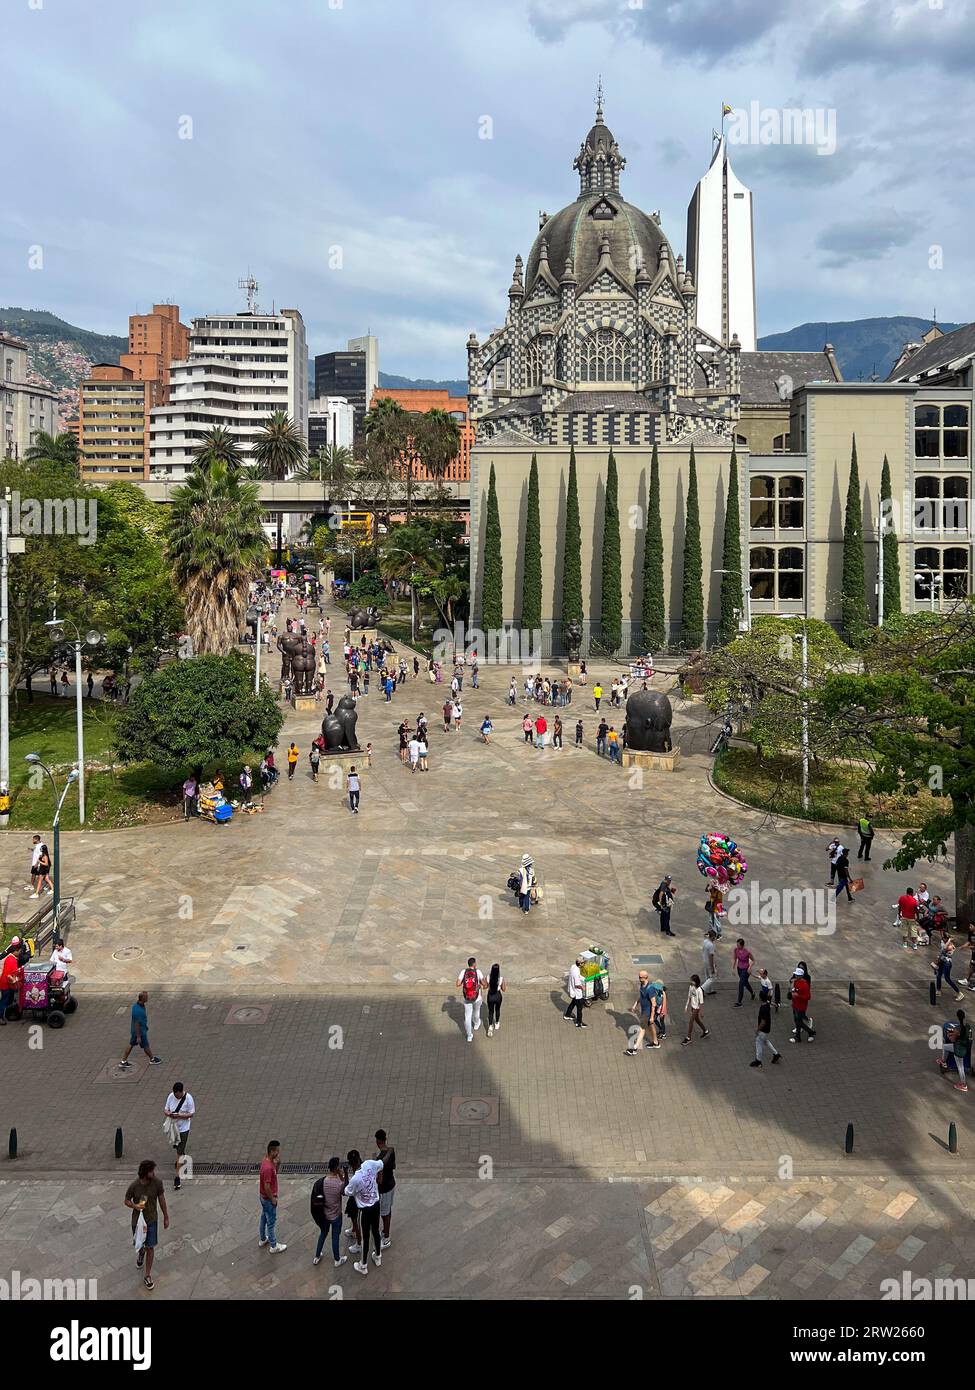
pixel 836 790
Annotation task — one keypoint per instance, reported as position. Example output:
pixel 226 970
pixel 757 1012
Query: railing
pixel 43 928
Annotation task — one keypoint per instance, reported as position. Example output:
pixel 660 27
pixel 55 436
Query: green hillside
pixel 863 346
pixel 60 354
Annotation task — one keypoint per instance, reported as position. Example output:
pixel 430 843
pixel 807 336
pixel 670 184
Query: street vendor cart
pixel 595 973
pixel 214 806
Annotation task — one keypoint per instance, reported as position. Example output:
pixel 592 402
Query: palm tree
pixel 388 449
pixel 278 453
pixel 218 446
pixel 61 450
pixel 437 441
pixel 215 545
pixel 410 553
pixel 336 469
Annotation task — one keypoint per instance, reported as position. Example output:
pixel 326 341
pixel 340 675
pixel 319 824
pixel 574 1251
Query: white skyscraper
pixel 721 253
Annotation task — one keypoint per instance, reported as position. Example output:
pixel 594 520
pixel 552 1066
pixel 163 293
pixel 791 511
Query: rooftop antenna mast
pixel 251 286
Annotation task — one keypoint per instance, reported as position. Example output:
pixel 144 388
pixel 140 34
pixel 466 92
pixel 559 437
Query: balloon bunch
pixel 720 859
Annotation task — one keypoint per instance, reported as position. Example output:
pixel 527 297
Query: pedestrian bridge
pixel 310 495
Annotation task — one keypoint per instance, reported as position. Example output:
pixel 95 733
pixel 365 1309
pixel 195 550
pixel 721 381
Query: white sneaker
pixel 317 1260
pixel 377 1259
pixel 470 1037
pixel 275 1249
pixel 341 1261
pixel 497 1027
pixel 350 1230
pixel 385 1243
pixel 35 895
pixel 360 1269
pixel 477 1025
pixel 354 1248
pixel 260 1242
pixel 490 1031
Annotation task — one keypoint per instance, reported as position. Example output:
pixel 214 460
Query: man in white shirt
pixel 414 747
pixel 577 995
pixel 61 957
pixel 710 968
pixel 834 849
pixel 180 1108
pixel 363 1187
pixel 470 982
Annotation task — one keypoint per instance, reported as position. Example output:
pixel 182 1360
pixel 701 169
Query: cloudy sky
pixel 337 152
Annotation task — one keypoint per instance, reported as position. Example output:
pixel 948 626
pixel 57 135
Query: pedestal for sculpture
pixel 305 704
pixel 356 635
pixel 573 669
pixel 342 758
pixel 655 762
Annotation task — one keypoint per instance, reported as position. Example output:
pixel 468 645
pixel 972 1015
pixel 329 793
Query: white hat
pixel 526 859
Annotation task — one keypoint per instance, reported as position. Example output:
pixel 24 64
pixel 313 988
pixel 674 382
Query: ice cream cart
pixel 595 973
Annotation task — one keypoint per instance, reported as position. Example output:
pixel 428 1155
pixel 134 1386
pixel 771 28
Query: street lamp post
pixel 804 686
pixel 92 637
pixel 746 590
pixel 34 760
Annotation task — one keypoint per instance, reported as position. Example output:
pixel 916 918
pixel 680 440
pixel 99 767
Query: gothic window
pixel 655 357
pixel 533 363
pixel 605 357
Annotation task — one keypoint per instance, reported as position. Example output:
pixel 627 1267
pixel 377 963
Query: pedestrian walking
pixel 487 729
pixel 942 966
pixel 579 732
pixel 496 988
pixel 743 964
pixel 470 982
pixel 709 956
pixel 448 709
pixel 326 1211
pixel 363 1187
pixel 662 903
pixel 413 749
pixel 386 1155
pixel 694 1010
pixel 601 732
pixel 90 682
pixel 763 1033
pixel 315 759
pixel 843 876
pixel 354 790
pixel 512 692
pixel 40 868
pixel 577 994
pixel 957 1043
pixel 267 1186
pixel 180 1108
pixel 833 851
pixel 139 1033
pixel 613 744
pixel 457 711
pixel 526 882
pixel 424 749
pixel 557 733
pixel 144 1197
pixel 800 992
pixel 645 1007
pixel 541 729
pixel 597 693
pixel 865 832
pixel 292 759
pixel 528 728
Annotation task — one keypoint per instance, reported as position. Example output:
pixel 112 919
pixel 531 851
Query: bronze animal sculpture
pixel 338 728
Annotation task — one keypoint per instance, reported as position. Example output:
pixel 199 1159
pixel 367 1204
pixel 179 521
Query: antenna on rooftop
pixel 251 286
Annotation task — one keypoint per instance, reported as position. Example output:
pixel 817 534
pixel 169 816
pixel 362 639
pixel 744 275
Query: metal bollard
pixel 853 993
pixel 12 1144
pixel 118 1142
pixel 849 1139
pixel 952 1138
pixel 933 994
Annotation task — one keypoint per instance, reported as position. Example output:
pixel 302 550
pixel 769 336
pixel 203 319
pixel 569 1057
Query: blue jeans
pixel 269 1221
pixel 600 746
pixel 6 999
pixel 614 752
pixel 944 973
pixel 525 899
pixel 336 1229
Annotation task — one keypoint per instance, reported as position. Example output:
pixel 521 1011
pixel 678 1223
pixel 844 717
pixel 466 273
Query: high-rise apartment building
pixel 370 346
pixel 721 253
pixel 240 369
pixel 156 340
pixel 344 374
pixel 331 423
pixel 112 436
pixel 25 407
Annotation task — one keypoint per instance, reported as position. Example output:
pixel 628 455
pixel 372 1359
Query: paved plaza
pixel 301 967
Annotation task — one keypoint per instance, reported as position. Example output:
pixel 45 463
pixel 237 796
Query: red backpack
pixel 471 987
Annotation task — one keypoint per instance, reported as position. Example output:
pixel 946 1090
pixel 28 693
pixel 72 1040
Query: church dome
pixel 576 234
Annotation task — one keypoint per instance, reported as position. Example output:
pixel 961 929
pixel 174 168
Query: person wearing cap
pixel 800 991
pixel 10 978
pixel 526 882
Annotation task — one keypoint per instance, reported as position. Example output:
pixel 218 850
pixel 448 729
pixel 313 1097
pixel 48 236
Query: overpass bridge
pixel 309 495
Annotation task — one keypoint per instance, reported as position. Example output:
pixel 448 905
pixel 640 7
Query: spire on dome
pixel 599 161
pixel 599 100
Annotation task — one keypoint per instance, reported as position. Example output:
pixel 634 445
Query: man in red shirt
pixel 268 1188
pixel 10 978
pixel 541 729
pixel 907 916
pixel 800 1003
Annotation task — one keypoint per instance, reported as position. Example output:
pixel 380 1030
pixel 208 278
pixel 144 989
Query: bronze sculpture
pixel 303 667
pixel 649 716
pixel 288 644
pixel 573 638
pixel 363 617
pixel 338 727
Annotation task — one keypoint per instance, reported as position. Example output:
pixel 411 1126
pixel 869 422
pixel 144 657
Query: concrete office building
pixel 370 346
pixel 113 415
pixel 241 368
pixel 26 408
pixel 331 423
pixel 156 340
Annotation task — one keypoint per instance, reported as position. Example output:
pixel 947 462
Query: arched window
pixel 655 357
pixel 533 363
pixel 605 357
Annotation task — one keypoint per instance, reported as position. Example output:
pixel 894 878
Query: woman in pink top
pixel 743 964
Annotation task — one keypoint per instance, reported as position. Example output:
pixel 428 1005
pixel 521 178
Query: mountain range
pixel 61 354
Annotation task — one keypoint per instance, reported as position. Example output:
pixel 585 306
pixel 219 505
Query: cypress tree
pixel 611 607
pixel 853 599
pixel 731 591
pixel 572 554
pixel 531 584
pixel 492 583
pixel 891 558
pixel 654 619
pixel 692 590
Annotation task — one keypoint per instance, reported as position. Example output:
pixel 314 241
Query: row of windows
pixel 777 573
pixel 941 431
pixel 605 356
pixel 777 503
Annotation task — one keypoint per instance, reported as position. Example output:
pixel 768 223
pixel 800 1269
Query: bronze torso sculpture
pixel 338 728
pixel 648 719
pixel 303 667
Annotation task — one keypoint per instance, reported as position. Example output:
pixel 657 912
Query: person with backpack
pixel 495 994
pixel 958 1044
pixel 526 882
pixel 315 758
pixel 662 903
pixel 470 982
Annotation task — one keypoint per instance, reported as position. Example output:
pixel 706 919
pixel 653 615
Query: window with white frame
pixel 777 572
pixel 777 503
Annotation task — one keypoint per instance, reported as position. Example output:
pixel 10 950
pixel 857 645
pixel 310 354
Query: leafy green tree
pixel 200 713
pixel 731 590
pixel 436 440
pixel 217 446
pixel 279 452
pixel 692 586
pixel 389 457
pixel 611 597
pixel 891 556
pixel 216 546
pixel 915 712
pixel 572 553
pixel 654 615
pixel 531 583
pixel 492 581
pixel 409 554
pixel 853 598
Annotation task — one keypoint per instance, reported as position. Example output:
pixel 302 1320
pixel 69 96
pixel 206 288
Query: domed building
pixel 600 343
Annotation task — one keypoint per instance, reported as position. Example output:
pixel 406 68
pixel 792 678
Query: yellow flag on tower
pixel 726 110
